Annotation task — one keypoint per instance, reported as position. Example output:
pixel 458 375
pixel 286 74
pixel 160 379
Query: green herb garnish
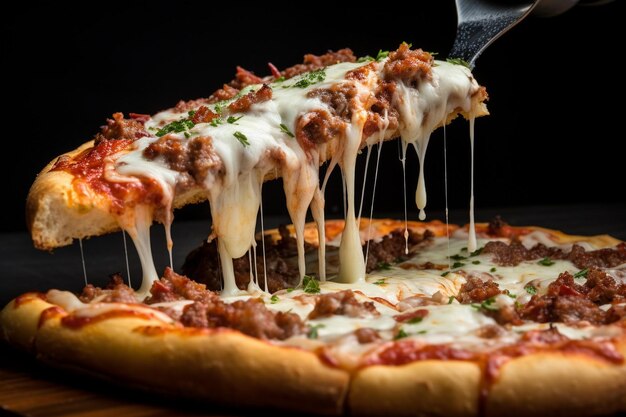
pixel 415 320
pixel 274 299
pixel 477 251
pixel 451 299
pixel 401 334
pixel 233 119
pixel 458 265
pixel 379 282
pixel 458 61
pixel 457 257
pixel 176 127
pixel 488 305
pixel 530 289
pixel 312 334
pixel 310 285
pixel 291 289
pixel 443 274
pixel 383 266
pixel 286 130
pixel 546 262
pixel 582 273
pixel 382 55
pixel 365 58
pixel 475 262
pixel 243 139
pixel 309 78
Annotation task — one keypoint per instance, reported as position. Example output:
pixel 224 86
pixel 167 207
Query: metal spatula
pixel 480 22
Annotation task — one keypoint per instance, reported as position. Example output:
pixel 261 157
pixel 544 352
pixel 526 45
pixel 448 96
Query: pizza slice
pixel 221 149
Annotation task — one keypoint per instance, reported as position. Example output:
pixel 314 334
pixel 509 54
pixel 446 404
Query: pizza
pixel 356 315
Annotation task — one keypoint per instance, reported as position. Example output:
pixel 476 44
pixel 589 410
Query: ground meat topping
pixel 366 335
pixel 476 290
pixel 202 264
pixel 390 249
pixel 203 115
pixel 194 158
pixel 115 292
pixel 244 103
pixel 318 126
pixel 570 302
pixel 515 252
pixel 175 287
pixel 342 303
pixel 120 128
pixel 250 317
pixel 314 62
pixel 408 64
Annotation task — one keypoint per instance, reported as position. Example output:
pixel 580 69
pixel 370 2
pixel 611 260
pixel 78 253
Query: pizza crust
pixel 228 367
pixel 218 365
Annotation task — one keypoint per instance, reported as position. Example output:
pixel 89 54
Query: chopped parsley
pixel 219 106
pixel 458 265
pixel 309 78
pixel 401 334
pixel 215 122
pixel 475 262
pixel 290 289
pixel 365 58
pixel 232 119
pixel 458 61
pixel 379 282
pixel 178 126
pixel 243 139
pixel 383 266
pixel 286 130
pixel 457 257
pixel 477 251
pixel 422 332
pixel 451 299
pixel 493 269
pixel 582 273
pixel 415 320
pixel 511 295
pixel 310 285
pixel 530 289
pixel 312 334
pixel 488 305
pixel 382 55
pixel 546 262
pixel 274 299
pixel 280 79
pixel 443 274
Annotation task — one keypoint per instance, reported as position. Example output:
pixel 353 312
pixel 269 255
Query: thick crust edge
pixel 233 369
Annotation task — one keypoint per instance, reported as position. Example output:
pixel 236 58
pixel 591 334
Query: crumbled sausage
pixel 342 303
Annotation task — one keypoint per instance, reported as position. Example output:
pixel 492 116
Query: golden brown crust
pixel 432 388
pixel 216 365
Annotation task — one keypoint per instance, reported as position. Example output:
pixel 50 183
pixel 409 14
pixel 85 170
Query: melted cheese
pixel 235 193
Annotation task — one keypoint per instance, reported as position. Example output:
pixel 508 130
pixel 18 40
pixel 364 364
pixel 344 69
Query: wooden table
pixel 28 388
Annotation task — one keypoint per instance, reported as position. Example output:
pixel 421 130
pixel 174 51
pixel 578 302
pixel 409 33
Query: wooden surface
pixel 28 388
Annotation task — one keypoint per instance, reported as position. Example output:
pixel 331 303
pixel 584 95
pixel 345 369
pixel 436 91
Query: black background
pixel 554 137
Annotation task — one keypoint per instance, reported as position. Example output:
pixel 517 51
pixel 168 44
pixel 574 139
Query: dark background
pixel 554 137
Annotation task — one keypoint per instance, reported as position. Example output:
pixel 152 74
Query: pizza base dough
pixel 229 368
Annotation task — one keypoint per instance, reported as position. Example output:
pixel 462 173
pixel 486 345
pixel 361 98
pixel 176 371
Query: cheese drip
pixel 243 146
